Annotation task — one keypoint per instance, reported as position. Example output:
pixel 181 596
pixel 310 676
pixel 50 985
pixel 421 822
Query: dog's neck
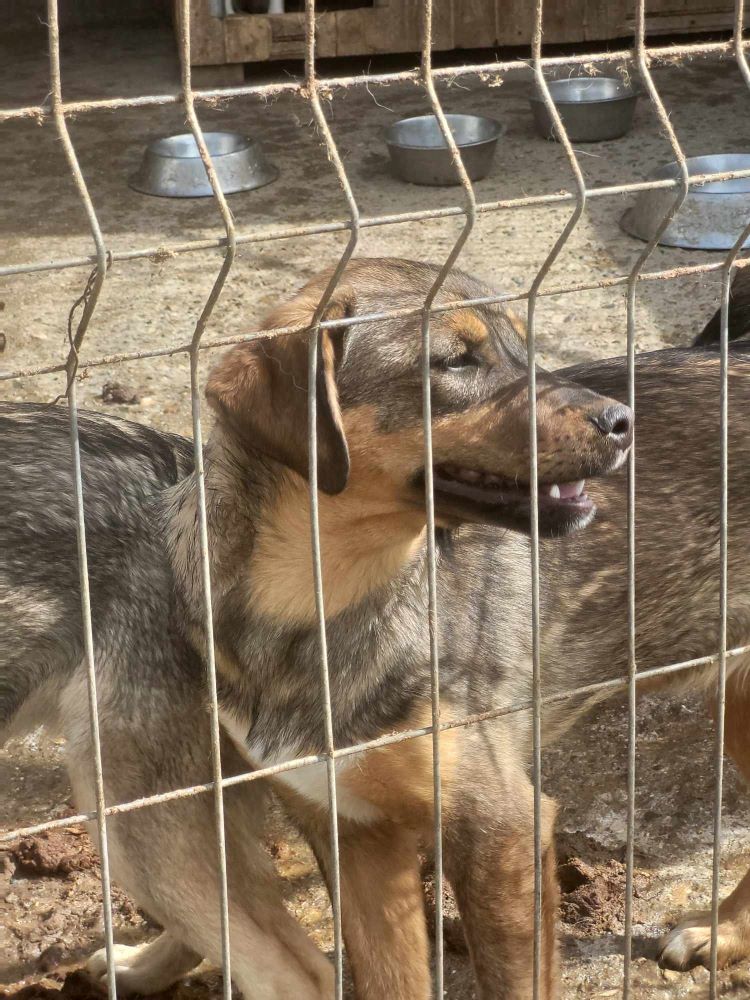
pixel 363 546
pixel 258 516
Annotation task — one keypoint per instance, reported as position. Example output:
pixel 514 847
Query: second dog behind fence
pixel 147 602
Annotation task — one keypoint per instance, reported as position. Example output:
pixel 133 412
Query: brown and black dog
pixel 142 517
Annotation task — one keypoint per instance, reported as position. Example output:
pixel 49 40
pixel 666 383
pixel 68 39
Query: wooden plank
pixel 260 37
pixel 715 21
pixel 475 24
pixel 397 28
pixel 582 20
pixel 514 22
pixel 481 23
pixel 484 23
pixel 675 16
pixel 247 38
pixel 206 34
pixel 288 31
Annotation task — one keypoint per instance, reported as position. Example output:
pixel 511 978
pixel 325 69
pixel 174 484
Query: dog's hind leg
pixel 689 943
pixel 165 856
pixel 489 859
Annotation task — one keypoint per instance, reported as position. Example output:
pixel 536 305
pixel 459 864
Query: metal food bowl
pixel 172 167
pixel 712 215
pixel 419 153
pixel 592 109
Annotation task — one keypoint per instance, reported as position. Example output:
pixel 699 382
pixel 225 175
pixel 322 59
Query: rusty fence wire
pixel 640 57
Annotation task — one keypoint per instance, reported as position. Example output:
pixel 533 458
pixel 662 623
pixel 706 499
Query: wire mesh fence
pixel 639 57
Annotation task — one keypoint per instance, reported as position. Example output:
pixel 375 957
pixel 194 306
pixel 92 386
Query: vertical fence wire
pixel 643 63
pixel 721 680
pixel 313 95
pixel 722 671
pixel 580 185
pixel 89 299
pixel 432 603
pixel 195 404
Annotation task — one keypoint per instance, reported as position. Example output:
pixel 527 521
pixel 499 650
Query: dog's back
pixel 738 319
pixel 123 464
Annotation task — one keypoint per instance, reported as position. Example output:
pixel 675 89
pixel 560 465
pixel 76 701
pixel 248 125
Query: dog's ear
pixel 259 390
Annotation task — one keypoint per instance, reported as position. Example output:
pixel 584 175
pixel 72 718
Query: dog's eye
pixel 459 362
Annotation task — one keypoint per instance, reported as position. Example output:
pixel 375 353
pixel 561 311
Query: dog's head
pixel 369 404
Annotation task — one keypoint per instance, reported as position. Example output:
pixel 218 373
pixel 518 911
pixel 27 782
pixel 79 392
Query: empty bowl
pixel 172 167
pixel 420 155
pixel 712 215
pixel 592 109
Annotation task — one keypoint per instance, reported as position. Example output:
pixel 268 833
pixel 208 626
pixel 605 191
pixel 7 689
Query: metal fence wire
pixel 640 56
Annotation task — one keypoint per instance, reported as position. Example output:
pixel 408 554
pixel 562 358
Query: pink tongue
pixel 568 490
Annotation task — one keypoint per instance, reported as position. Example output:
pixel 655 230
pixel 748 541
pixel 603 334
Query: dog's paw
pixel 689 944
pixel 135 969
pixel 124 956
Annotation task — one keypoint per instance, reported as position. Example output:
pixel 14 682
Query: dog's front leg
pixel 382 907
pixel 689 944
pixel 489 859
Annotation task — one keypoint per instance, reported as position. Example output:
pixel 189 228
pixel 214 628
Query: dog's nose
pixel 616 423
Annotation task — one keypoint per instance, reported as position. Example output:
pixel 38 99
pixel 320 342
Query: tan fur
pixel 298 313
pixel 468 325
pixel 363 546
pixel 517 323
pixel 372 530
pixel 495 437
pixel 226 664
pixel 260 391
pixel 398 778
pixel 382 900
pixel 493 875
pixel 493 879
pixel 383 913
pixel 381 887
pixel 689 943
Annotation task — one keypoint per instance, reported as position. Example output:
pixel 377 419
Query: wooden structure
pixel 223 44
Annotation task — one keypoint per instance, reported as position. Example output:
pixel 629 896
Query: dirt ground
pixel 49 897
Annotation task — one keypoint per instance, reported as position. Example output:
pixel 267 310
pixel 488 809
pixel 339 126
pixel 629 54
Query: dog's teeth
pixel 579 487
pixel 554 491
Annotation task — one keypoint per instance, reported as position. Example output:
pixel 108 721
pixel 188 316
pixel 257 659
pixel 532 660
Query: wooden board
pixel 677 16
pixel 207 47
pixel 395 26
pixel 260 37
pixel 484 23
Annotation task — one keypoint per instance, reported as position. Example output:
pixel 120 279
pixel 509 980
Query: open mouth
pixel 485 487
pixel 485 496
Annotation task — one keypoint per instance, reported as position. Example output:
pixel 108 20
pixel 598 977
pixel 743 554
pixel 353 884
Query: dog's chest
pixel 310 780
pixel 379 671
pixel 378 665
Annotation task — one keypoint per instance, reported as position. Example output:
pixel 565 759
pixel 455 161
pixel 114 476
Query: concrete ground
pixel 49 899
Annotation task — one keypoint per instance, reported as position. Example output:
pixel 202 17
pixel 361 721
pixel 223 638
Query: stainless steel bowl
pixel 419 153
pixel 712 215
pixel 172 167
pixel 592 109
